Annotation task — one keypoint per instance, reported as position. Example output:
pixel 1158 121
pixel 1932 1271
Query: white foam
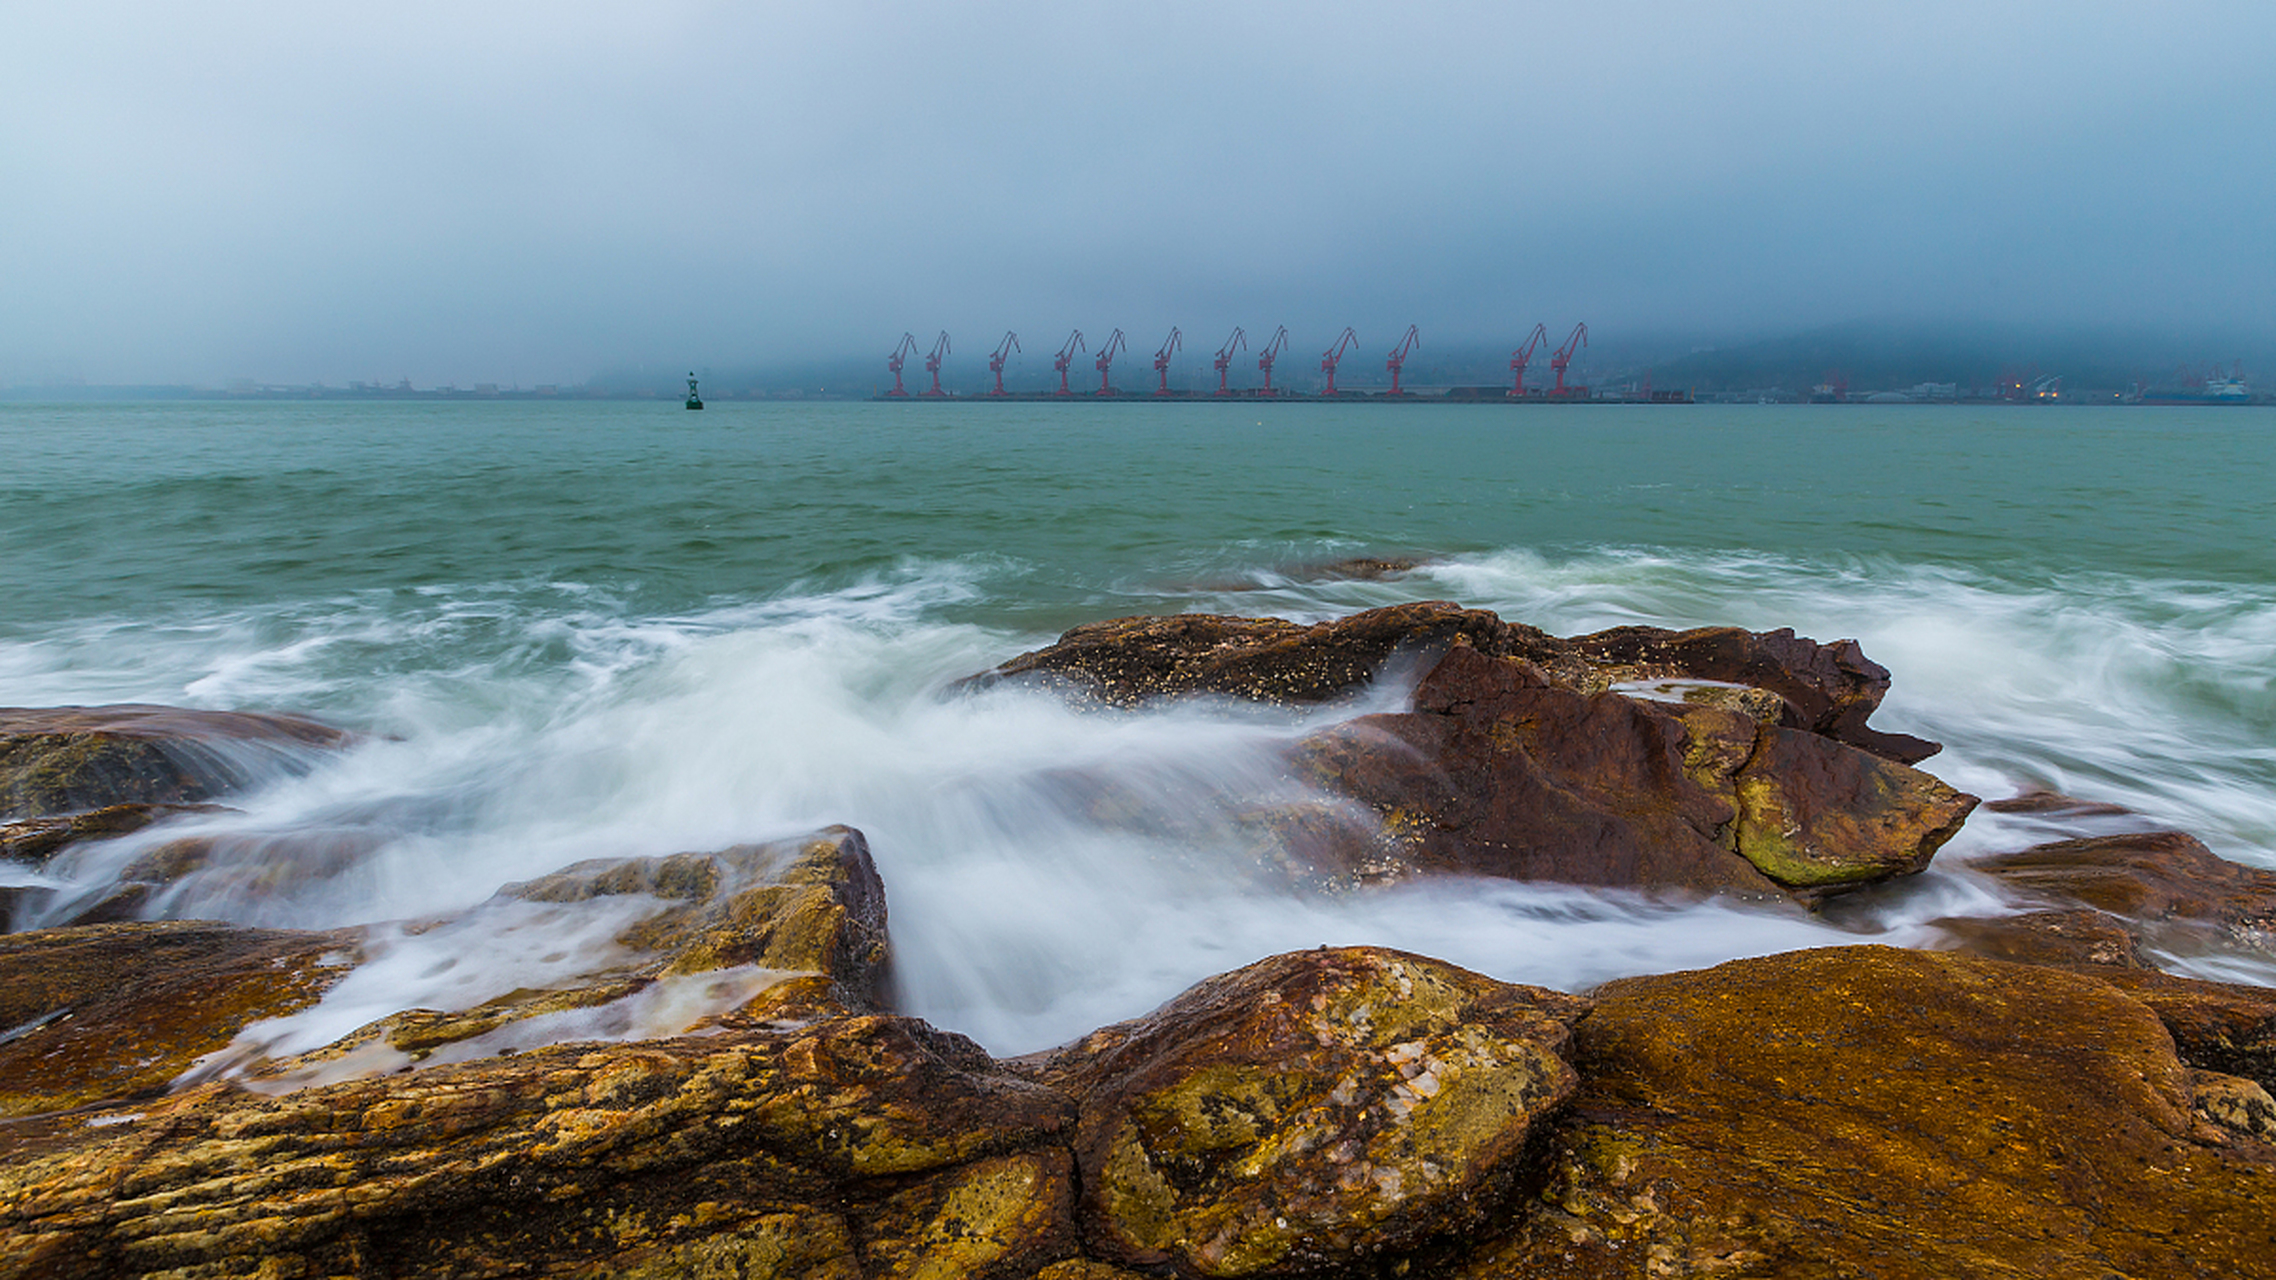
pixel 1047 869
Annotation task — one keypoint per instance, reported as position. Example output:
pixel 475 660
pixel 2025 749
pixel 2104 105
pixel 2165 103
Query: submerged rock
pixel 2075 937
pixel 2166 881
pixel 62 760
pixel 117 1011
pixel 33 841
pixel 1310 1112
pixel 1866 1111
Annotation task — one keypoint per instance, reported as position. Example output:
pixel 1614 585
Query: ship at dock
pixel 2220 388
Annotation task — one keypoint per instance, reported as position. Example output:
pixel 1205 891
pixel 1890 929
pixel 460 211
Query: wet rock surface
pixel 1829 690
pixel 117 1011
pixel 1500 770
pixel 33 841
pixel 2165 881
pixel 1706 761
pixel 1314 1111
pixel 2047 937
pixel 858 1147
pixel 1866 1111
pixel 62 760
pixel 786 931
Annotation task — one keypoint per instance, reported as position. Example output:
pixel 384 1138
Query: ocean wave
pixel 1049 870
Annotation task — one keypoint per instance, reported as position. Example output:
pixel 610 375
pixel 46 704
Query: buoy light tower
pixel 694 401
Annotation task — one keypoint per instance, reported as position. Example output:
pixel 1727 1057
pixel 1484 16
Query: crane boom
pixel 1271 352
pixel 1066 357
pixel 1523 356
pixel 1162 361
pixel 1328 359
pixel 899 357
pixel 1564 355
pixel 996 361
pixel 1399 354
pixel 1105 363
pixel 1238 342
pixel 932 363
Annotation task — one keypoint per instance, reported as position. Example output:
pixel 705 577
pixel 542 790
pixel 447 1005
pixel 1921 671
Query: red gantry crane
pixel 1105 362
pixel 1344 342
pixel 932 363
pixel 1162 361
pixel 1271 352
pixel 1564 355
pixel 996 361
pixel 1523 356
pixel 1239 341
pixel 900 357
pixel 1066 357
pixel 1399 356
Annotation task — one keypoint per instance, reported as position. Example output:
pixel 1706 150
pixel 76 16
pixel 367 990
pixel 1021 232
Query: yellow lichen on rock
pixel 1310 1111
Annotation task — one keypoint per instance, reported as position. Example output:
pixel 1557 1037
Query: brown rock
pixel 2233 1105
pixel 1815 813
pixel 814 905
pixel 794 930
pixel 33 841
pixel 1870 1112
pixel 2158 877
pixel 1130 661
pixel 1499 770
pixel 118 1011
pixel 1309 1112
pixel 1824 689
pixel 2081 937
pixel 2053 802
pixel 2215 1026
pixel 1831 688
pixel 1127 661
pixel 59 760
pixel 857 1147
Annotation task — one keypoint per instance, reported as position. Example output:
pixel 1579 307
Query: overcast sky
pixel 476 192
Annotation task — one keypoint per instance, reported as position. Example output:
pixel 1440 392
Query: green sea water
pixel 134 508
pixel 604 628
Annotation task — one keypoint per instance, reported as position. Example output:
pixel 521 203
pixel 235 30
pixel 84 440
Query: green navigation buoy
pixel 694 401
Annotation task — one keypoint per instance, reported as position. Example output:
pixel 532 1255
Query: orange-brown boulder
pixel 1314 1111
pixel 1870 1112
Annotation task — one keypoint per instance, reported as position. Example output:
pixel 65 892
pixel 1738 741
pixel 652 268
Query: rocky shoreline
pixel 726 1089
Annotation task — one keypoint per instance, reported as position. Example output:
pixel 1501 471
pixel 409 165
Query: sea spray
pixel 575 631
